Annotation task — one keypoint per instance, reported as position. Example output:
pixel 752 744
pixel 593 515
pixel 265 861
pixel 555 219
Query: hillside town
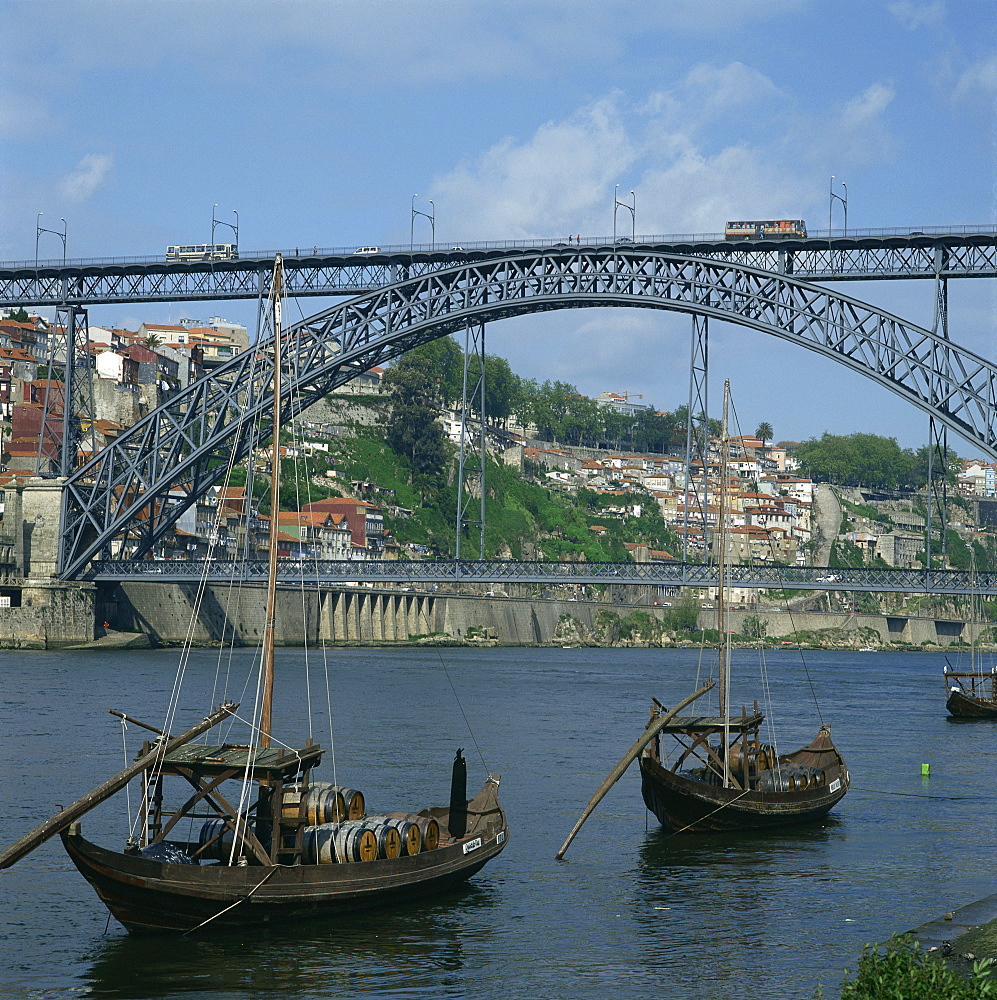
pixel 774 511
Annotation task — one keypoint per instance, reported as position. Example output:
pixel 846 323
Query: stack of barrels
pixel 370 839
pixel 340 831
pixel 324 803
pixel 792 778
pixel 337 830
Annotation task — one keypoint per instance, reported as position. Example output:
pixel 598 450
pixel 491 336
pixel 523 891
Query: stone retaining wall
pixel 355 615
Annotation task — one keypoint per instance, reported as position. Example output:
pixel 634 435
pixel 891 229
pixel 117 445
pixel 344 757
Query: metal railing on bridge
pixel 490 572
pixel 952 251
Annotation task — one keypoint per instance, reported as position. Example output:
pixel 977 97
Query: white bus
pixel 204 251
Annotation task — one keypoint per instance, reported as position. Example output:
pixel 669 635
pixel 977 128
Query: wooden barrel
pixel 410 834
pixel 323 803
pixel 355 841
pixel 209 847
pixel 353 801
pixel 319 845
pixel 389 841
pixel 428 827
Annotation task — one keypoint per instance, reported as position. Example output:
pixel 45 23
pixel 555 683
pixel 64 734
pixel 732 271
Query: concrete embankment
pixel 164 612
pixel 52 616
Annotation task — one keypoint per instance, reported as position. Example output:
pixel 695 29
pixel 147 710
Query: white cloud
pixel 856 133
pixel 22 116
pixel 530 188
pixel 723 142
pixel 386 42
pixel 915 15
pixel 89 175
pixel 979 76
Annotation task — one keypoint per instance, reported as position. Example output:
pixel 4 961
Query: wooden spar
pixel 128 718
pixel 62 819
pixel 652 730
pixel 270 622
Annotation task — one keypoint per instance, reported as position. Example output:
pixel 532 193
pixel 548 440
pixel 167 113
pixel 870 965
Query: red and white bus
pixel 765 230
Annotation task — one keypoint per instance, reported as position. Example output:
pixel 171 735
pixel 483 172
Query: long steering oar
pixel 653 728
pixel 154 758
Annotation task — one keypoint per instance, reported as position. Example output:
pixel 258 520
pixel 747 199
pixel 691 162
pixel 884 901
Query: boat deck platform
pixel 710 724
pixel 270 762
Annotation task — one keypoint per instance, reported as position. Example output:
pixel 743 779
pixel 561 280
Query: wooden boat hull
pixel 684 804
pixel 153 896
pixel 961 705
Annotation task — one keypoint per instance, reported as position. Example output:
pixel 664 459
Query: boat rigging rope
pixel 918 795
pixel 233 585
pixel 298 441
pixel 462 712
pixel 806 671
pixel 675 833
pixel 236 903
pixel 130 823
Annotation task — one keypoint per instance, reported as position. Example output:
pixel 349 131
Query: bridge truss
pixel 495 572
pixel 134 491
pixel 99 282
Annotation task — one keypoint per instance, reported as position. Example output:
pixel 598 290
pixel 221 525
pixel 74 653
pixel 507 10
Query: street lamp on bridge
pixel 632 209
pixel 221 222
pixel 39 229
pixel 830 205
pixel 431 215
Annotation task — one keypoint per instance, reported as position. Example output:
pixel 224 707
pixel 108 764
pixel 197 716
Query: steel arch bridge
pixel 136 488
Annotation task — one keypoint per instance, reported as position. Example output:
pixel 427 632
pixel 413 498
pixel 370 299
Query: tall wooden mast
pixel 270 625
pixel 724 666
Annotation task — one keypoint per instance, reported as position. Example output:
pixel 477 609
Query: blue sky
pixel 318 121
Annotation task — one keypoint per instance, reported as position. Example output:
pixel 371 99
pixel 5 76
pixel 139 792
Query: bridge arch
pixel 138 486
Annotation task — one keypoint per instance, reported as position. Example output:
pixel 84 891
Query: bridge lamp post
pixel 844 204
pixel 39 229
pixel 632 209
pixel 431 215
pixel 221 222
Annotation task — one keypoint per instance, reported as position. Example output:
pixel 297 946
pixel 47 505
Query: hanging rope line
pixel 462 712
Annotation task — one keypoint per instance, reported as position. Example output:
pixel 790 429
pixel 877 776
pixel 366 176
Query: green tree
pixel 413 429
pixel 502 387
pixel 546 405
pixel 754 627
pixel 858 460
pixel 447 364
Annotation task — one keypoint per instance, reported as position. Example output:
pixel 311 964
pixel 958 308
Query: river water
pixel 630 912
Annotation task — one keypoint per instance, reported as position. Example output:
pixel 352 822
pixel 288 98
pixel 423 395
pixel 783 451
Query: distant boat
pixel 252 839
pixel 972 693
pixel 723 776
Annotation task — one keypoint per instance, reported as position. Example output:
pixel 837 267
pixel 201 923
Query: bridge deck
pixel 953 251
pixel 328 572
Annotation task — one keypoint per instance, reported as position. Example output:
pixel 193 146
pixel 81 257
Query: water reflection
pixel 371 951
pixel 734 908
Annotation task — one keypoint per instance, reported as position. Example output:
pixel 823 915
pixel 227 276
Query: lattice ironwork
pixel 470 485
pixel 148 280
pixel 676 574
pixel 697 437
pixel 136 489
